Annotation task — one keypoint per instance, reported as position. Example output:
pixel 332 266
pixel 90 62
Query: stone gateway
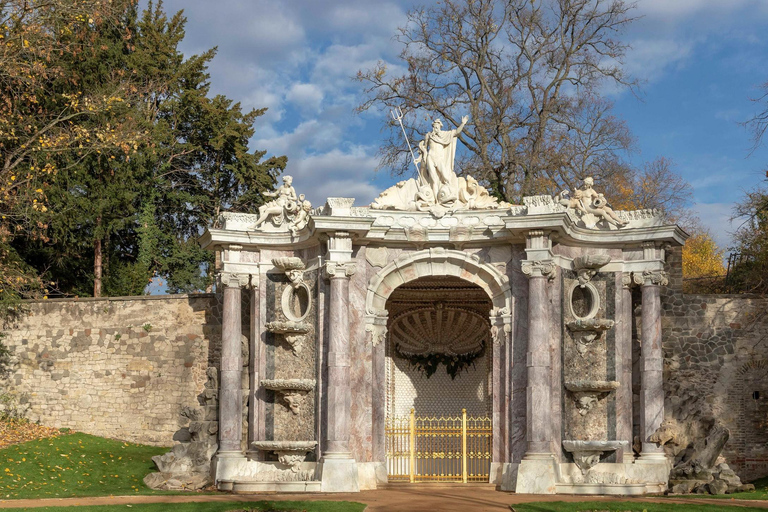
pixel 439 309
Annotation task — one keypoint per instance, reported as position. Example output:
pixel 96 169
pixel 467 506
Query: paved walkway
pixel 461 498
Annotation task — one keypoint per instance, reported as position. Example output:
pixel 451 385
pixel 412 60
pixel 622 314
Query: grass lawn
pixel 625 506
pixel 72 465
pixel 304 506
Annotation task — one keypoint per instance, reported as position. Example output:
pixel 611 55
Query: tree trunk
pixel 97 263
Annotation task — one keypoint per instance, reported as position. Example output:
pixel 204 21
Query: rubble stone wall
pixel 117 367
pixel 716 369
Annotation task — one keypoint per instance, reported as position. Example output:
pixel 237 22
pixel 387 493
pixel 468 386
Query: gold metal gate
pixel 429 449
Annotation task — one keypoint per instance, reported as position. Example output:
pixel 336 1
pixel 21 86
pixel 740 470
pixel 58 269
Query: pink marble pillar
pixel 256 396
pixel 623 330
pixel 539 391
pixel 338 392
pixel 652 391
pixel 230 389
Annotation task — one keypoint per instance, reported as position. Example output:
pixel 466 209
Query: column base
pixel 509 476
pixel 536 475
pixel 226 466
pixel 338 474
pixel 652 458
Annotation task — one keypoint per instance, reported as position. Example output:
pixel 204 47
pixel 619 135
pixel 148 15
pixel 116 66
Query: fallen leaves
pixel 21 431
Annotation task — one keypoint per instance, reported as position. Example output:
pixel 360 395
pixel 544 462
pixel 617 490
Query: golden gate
pixel 430 449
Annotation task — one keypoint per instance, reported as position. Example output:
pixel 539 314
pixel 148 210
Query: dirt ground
pixel 446 498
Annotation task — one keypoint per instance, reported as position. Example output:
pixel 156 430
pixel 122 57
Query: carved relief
pixel 377 256
pixel 293 268
pixel 439 329
pixel 656 277
pixel 292 391
pixel 587 266
pixel 586 393
pixel 336 269
pixel 233 280
pixel 539 269
pixel 293 333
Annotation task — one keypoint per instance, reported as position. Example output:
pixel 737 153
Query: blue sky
pixel 700 61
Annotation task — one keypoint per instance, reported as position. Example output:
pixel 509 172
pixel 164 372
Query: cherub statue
pixel 302 216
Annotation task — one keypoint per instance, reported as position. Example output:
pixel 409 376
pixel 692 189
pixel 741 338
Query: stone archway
pixel 434 262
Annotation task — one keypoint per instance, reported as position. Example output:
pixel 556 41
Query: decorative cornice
pixel 655 277
pixel 234 280
pixel 544 268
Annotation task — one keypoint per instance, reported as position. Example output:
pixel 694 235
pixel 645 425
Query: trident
pixel 399 118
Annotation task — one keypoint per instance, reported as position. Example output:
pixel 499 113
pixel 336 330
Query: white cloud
pixel 648 59
pixel 336 173
pixel 306 97
pixel 716 217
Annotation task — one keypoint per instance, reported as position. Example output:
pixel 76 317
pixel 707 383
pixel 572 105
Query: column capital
pixel 233 279
pixel 655 277
pixel 337 269
pixel 626 280
pixel 541 268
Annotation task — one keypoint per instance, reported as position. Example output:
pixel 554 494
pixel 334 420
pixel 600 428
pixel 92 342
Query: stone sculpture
pixel 697 468
pixel 188 465
pixel 287 210
pixel 591 205
pixel 438 189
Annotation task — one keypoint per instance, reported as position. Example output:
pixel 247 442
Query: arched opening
pixel 438 361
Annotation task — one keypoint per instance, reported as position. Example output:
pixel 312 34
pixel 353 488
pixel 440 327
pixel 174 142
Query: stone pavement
pixel 444 498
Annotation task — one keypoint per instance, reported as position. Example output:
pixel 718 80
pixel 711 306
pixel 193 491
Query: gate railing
pixel 446 449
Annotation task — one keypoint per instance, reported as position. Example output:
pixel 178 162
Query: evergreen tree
pixel 118 218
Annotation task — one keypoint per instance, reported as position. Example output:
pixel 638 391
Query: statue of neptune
pixel 438 151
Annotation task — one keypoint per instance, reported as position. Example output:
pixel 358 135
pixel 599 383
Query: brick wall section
pixel 117 367
pixel 716 364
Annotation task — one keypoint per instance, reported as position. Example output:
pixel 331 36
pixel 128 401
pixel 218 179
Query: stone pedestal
pixel 652 391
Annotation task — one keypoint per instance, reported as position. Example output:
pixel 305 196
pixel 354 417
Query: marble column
pixel 339 469
pixel 536 474
pixel 230 388
pixel 623 329
pixel 338 392
pixel 539 391
pixel 256 396
pixel 651 361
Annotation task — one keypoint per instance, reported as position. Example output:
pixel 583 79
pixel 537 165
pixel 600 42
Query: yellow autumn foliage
pixel 702 257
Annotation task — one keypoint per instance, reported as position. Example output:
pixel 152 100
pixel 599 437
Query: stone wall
pixel 716 369
pixel 117 367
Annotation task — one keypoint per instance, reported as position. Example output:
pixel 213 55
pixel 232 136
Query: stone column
pixel 651 361
pixel 338 469
pixel 623 338
pixel 230 389
pixel 257 393
pixel 338 392
pixel 536 474
pixel 539 391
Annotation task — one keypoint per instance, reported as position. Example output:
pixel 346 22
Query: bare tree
pixel 529 74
